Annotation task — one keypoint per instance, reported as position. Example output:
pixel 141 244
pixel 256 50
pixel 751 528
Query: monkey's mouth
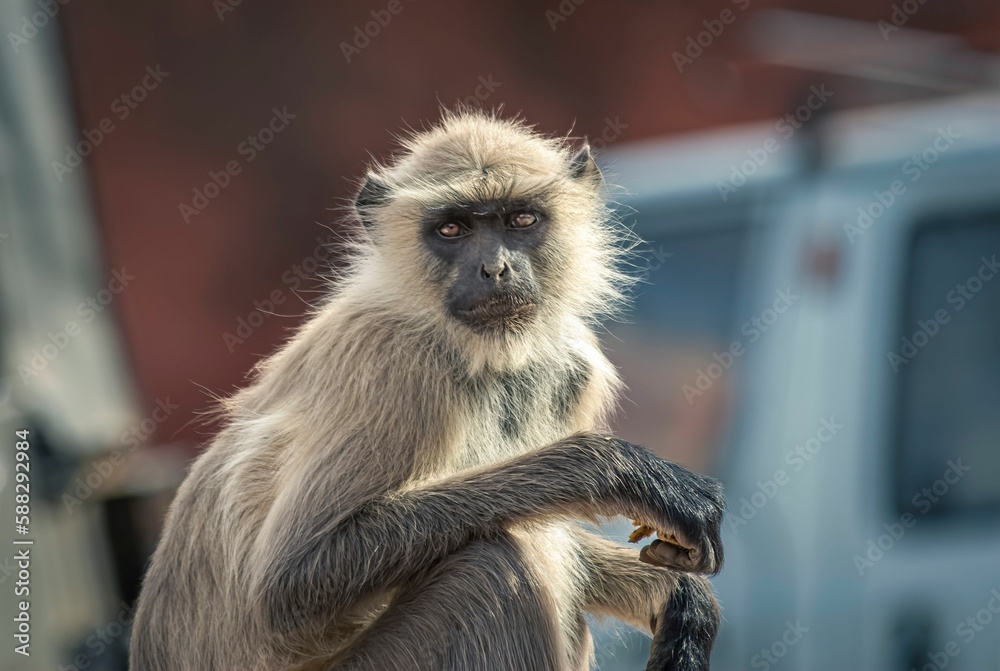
pixel 499 313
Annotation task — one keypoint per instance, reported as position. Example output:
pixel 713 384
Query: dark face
pixel 489 249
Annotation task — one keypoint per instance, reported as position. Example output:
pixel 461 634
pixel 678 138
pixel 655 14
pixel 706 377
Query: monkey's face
pixel 486 254
pixel 492 228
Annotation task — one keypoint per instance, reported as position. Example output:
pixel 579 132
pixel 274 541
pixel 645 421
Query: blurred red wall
pixel 602 68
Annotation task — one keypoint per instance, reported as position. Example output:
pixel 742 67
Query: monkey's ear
pixel 374 192
pixel 583 166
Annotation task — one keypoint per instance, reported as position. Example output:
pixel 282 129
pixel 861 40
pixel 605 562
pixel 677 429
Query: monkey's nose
pixel 495 271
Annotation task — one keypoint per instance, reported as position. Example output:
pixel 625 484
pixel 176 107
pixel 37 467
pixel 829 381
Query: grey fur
pixel 396 491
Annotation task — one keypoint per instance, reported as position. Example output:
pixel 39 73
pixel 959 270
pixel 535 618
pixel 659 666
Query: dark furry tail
pixel 685 631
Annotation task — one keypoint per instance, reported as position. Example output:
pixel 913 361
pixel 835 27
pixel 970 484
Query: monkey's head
pixel 491 227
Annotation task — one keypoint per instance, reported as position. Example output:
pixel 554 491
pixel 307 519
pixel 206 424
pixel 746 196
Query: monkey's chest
pixel 510 413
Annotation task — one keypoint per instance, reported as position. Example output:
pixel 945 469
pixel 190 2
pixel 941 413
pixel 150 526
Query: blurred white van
pixel 822 314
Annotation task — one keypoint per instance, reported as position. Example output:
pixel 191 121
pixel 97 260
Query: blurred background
pixel 817 183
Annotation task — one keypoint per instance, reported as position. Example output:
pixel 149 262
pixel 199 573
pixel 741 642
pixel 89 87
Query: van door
pixel 929 561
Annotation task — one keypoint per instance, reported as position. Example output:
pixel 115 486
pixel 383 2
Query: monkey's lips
pixel 499 313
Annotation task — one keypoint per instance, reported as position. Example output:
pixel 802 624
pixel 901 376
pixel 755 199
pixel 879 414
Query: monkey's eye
pixel 523 220
pixel 450 229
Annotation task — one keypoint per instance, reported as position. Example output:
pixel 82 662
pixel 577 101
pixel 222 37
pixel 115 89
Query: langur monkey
pixel 400 487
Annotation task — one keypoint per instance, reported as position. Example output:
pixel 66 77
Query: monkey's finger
pixel 642 531
pixel 659 553
pixel 669 555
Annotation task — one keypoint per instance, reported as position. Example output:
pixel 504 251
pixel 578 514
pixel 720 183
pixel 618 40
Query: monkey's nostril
pixel 494 271
pixel 498 271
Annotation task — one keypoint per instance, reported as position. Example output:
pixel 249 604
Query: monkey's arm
pixel 323 566
pixel 619 584
pixel 679 609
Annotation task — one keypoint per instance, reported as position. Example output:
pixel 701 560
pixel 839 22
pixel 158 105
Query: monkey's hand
pixel 671 552
pixel 667 550
pixel 685 509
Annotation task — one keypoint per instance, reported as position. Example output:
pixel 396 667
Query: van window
pixel 691 283
pixel 947 359
pixel 683 324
